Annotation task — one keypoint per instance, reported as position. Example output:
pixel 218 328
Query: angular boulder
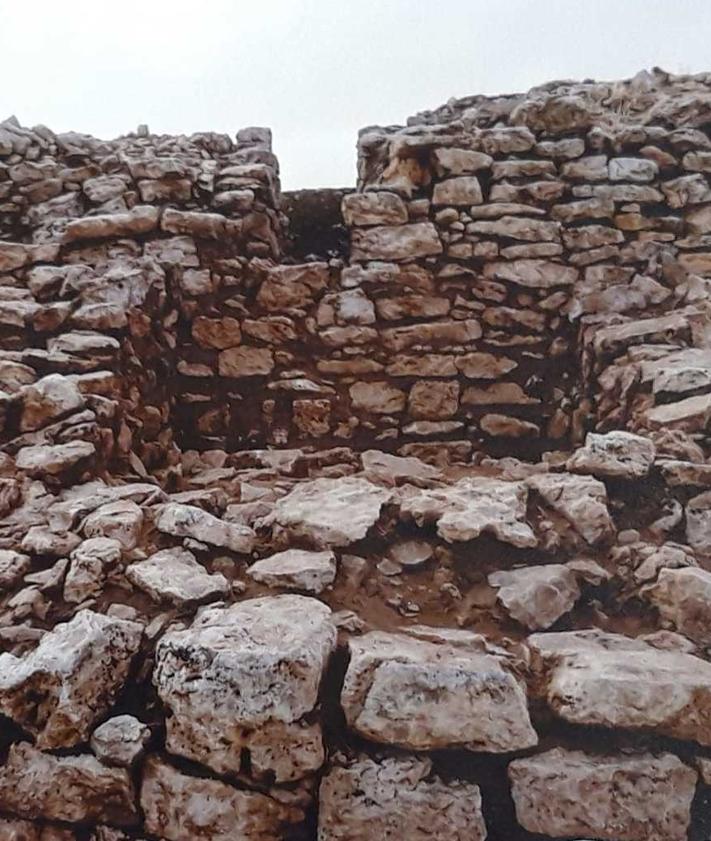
pixel 425 695
pixel 175 576
pixel 536 596
pixel 683 598
pixel 190 521
pixel 581 500
pixel 616 454
pixel 58 691
pixel 296 569
pixel 248 671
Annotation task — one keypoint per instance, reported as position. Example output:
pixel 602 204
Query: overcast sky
pixel 316 70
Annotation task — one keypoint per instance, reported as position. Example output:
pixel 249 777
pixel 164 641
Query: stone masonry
pixel 371 513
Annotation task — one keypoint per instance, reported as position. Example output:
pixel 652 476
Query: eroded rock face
pixel 622 798
pixel 683 598
pixel 254 666
pixel 423 695
pixel 60 689
pixel 189 521
pixel 582 500
pixel 180 807
pixel 610 680
pixel 397 797
pixel 75 789
pixel 616 455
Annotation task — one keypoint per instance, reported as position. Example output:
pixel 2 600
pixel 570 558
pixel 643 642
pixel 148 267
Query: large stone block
pixel 566 794
pixel 426 695
pixel 247 673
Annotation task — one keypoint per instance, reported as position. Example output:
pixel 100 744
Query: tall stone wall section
pixel 409 538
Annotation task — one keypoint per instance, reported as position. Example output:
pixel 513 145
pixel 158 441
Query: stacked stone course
pixel 392 523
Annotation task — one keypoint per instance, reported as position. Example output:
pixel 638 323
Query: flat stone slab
pixel 425 695
pixel 616 454
pixel 331 512
pixel 570 794
pixel 471 507
pixel 296 569
pixel 174 575
pixel 74 789
pixel 248 671
pixel 397 798
pixel 610 680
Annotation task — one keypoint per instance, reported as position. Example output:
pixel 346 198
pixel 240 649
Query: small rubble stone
pixel 120 740
pixel 536 596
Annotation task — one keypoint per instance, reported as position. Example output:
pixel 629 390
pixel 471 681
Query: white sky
pixel 316 70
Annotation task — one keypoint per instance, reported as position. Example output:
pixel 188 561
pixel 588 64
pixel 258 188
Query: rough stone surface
pixel 622 798
pixel 365 799
pixel 272 650
pixel 296 569
pixel 175 576
pixel 421 695
pixel 536 596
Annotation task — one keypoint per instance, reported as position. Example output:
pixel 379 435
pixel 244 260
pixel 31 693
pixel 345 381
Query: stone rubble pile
pixel 412 539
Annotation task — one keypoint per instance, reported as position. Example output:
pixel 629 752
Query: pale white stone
pixel 249 671
pixel 59 690
pixel 179 807
pixel 425 695
pixel 189 521
pixel 74 789
pixel 296 569
pixel 51 460
pixel 175 576
pixel 536 596
pixel 120 741
pixel 616 454
pixel 582 500
pixel 683 598
pixel 470 507
pixel 397 797
pixel 331 512
pixel 610 680
pixel 641 797
pixel 121 520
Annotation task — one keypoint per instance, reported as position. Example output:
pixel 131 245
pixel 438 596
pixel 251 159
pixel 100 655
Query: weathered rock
pixel 89 565
pixel 49 461
pixel 75 789
pixel 331 512
pixel 296 569
pixel 403 242
pixel 622 798
pixel 425 695
pixel 120 740
pixel 615 454
pixel 698 522
pixel 462 190
pixel 60 689
pixel 610 680
pixel 179 807
pixel 189 521
pixel 47 400
pixel 536 596
pixel 142 219
pixel 175 576
pixel 379 208
pixel 121 520
pixel 582 500
pixel 378 397
pixel 13 565
pixel 683 598
pixel 397 797
pixel 470 507
pixel 255 666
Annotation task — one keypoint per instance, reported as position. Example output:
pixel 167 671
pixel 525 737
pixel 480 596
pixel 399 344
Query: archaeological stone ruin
pixel 372 513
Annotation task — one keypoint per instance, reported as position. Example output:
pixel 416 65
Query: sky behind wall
pixel 316 70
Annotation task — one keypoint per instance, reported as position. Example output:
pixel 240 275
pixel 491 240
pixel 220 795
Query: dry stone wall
pixel 394 523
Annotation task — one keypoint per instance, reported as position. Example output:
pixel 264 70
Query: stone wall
pixel 391 523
